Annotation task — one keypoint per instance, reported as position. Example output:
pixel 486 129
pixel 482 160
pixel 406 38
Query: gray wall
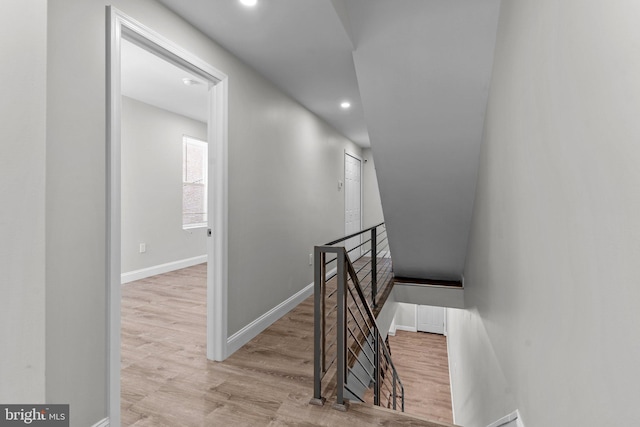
pixel 76 306
pixel 284 164
pixel 23 41
pixel 552 266
pixel 152 187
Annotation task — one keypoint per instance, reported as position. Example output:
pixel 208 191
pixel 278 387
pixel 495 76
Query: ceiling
pixel 417 73
pixel 155 81
pixel 299 45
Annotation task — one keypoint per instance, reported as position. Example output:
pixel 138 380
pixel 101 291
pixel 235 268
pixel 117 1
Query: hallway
pixel 167 381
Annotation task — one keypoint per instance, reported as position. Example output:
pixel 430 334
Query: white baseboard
pixel 392 328
pixel 102 423
pixel 406 328
pixel 160 269
pixel 246 334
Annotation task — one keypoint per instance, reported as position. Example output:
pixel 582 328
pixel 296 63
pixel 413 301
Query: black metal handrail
pixel 347 340
pixel 356 234
pixel 373 261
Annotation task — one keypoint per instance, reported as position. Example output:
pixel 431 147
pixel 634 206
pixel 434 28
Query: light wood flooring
pixel 167 381
pixel 422 363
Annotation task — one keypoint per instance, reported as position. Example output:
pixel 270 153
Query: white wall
pixel 23 41
pixel 284 164
pixel 152 187
pixel 552 269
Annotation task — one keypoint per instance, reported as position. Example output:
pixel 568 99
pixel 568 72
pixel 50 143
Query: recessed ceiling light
pixel 345 104
pixel 249 3
pixel 190 82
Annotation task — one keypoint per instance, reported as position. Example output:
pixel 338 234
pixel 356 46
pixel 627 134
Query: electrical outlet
pixel 143 248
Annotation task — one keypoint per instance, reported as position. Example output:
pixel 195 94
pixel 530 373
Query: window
pixel 194 182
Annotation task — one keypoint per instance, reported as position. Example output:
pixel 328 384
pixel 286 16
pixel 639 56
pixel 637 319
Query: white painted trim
pixel 114 40
pixel 161 269
pixel 253 329
pixel 217 243
pixel 406 328
pixel 514 416
pixel 102 423
pixel 445 331
pixel 453 409
pixel 392 327
pixel 119 26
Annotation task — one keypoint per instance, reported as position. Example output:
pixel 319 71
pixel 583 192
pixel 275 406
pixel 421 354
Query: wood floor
pixel 167 381
pixel 422 363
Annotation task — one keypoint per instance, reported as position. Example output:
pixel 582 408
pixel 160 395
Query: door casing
pixel 121 26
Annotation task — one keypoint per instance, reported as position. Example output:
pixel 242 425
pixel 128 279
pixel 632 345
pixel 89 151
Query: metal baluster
pixel 374 266
pixel 323 314
pixel 342 336
pixel 318 301
pixel 376 372
pixel 394 390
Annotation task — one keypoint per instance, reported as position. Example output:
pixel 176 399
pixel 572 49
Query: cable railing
pixel 370 257
pixel 352 360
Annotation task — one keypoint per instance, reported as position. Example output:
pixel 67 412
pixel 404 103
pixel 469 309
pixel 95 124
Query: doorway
pixel 123 28
pixel 353 202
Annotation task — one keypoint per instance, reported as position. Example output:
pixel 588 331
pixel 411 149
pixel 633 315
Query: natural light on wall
pixel 194 182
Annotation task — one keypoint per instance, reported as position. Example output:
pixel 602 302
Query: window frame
pixel 190 140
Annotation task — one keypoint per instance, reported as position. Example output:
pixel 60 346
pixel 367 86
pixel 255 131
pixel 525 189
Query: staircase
pixel 352 362
pixel 354 303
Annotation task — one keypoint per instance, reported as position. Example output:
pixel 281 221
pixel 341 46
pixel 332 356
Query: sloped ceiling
pixel 424 69
pixel 418 75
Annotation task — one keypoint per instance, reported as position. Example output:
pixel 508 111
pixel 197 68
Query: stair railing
pixel 373 271
pixel 350 353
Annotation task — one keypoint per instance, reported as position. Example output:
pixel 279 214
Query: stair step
pixel 384 416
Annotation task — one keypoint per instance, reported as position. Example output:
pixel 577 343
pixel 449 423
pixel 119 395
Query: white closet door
pixel 431 319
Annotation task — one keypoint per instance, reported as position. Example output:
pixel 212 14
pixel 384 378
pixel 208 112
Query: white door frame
pixel 344 179
pixel 121 26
